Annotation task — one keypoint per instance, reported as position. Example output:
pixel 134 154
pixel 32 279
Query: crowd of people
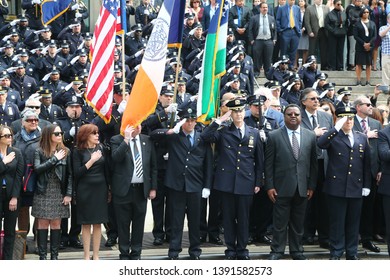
pixel 289 159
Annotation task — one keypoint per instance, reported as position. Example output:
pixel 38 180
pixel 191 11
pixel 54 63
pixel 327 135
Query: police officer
pixel 43 36
pixel 135 41
pixel 52 59
pixel 343 98
pixel 72 34
pixel 347 179
pixel 8 110
pixel 76 65
pixel 278 69
pixel 192 42
pixel 238 175
pixel 329 93
pixel 6 58
pixel 309 71
pixel 33 13
pixel 13 95
pixel 31 69
pixel 49 112
pixel 54 83
pixel 276 89
pixel 145 13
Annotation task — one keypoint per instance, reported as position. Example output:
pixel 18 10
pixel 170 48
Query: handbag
pixel 29 180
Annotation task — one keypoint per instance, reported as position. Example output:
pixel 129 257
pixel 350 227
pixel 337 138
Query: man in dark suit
pixel 289 25
pixel 290 180
pixel 370 127
pixel 239 16
pixel 188 178
pixel 262 37
pixel 208 13
pixel 383 188
pixel 134 180
pixel 238 174
pixel 316 213
pixel 348 178
pixel 275 55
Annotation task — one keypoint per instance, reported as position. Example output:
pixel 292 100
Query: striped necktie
pixel 295 145
pixel 138 161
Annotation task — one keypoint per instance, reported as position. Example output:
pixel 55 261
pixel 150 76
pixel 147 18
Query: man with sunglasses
pixel 343 98
pixel 290 180
pixel 370 127
pixel 348 179
pixel 277 71
pixel 135 41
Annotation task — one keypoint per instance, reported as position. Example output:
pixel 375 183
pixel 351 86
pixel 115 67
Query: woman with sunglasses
pixel 91 177
pixel 11 173
pixel 53 194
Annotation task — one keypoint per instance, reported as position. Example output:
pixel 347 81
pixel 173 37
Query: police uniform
pixel 25 84
pixel 276 74
pixel 55 87
pixel 134 43
pixel 348 173
pixel 239 170
pixel 52 112
pixel 8 111
pixel 144 14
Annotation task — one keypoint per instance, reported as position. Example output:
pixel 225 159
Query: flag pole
pixel 123 67
pixel 173 116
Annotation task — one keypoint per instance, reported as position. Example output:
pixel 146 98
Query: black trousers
pixel 262 54
pixel 210 226
pixel 335 51
pixel 320 43
pixel 160 204
pixel 367 218
pixel 10 218
pixel 260 214
pixel 386 209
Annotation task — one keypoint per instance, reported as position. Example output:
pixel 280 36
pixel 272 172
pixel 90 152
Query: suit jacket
pixel 240 160
pixel 276 115
pixel 311 18
pixel 372 124
pixel 12 173
pixel 283 19
pixel 206 17
pixel 349 167
pixel 254 24
pixel 384 156
pixel 189 168
pixel 285 173
pixel 360 36
pixel 245 17
pixel 123 168
pixel 323 120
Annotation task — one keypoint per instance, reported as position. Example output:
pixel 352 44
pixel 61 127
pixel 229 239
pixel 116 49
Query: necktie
pixel 48 110
pixel 138 161
pixel 264 27
pixel 189 140
pixel 239 133
pixel 295 145
pixel 364 126
pixel 314 121
pixel 239 16
pixel 292 23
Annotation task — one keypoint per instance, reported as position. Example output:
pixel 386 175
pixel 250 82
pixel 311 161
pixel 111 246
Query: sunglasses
pixel 32 120
pixel 367 104
pixel 313 98
pixel 58 133
pixel 95 132
pixel 34 107
pixel 6 136
pixel 293 114
pixel 326 109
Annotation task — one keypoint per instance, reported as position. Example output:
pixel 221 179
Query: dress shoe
pixel 379 238
pixel 371 246
pixel 173 257
pixel 309 240
pixel 298 257
pixel 250 240
pixel 111 241
pixel 265 239
pixel 275 256
pixel 63 245
pixel 192 257
pixel 352 258
pixel 324 245
pixel 76 244
pixel 202 239
pixel 245 258
pixel 230 258
pixel 334 258
pixel 216 241
pixel 157 241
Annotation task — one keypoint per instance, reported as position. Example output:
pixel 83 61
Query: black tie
pixel 314 122
pixel 239 133
pixel 189 140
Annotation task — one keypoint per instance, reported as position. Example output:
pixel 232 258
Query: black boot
pixel 55 238
pixel 42 243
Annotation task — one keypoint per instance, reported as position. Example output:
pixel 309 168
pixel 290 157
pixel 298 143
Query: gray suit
pixel 291 178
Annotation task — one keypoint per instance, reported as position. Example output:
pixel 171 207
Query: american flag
pixel 121 25
pixel 99 92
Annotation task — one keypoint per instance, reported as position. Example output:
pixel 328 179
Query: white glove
pixel 276 64
pixel 70 26
pixel 137 67
pixel 11 69
pixel 365 192
pixel 75 7
pixel 228 84
pixel 68 87
pixel 176 129
pixel 137 54
pixel 46 77
pixel 34 96
pixel 14 22
pixel 44 51
pixel 340 97
pixel 231 69
pixel 194 97
pixel 38 32
pixel 205 193
pixel 81 46
pixel 58 50
pixel 16 57
pixel 171 108
pixel 36 1
pixel 78 15
pixel 339 124
pixel 72 131
pixel 6 38
pixel 306 64
pixel 73 61
pixel 232 50
pixel 122 107
pixel 130 33
pixel 235 57
pixel 199 55
pixel 263 137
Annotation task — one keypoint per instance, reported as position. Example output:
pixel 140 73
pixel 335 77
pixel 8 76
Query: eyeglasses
pixel 95 132
pixel 6 136
pixel 313 98
pixel 367 104
pixel 60 133
pixel 34 107
pixel 293 114
pixel 32 120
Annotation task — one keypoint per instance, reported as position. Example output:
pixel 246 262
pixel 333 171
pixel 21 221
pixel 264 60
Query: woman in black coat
pixel 11 173
pixel 365 34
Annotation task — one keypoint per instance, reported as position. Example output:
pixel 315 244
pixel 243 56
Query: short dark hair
pixel 292 105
